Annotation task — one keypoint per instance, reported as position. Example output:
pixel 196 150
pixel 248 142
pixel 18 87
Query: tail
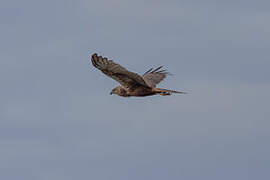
pixel 166 92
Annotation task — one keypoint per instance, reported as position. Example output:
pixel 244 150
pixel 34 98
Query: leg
pixel 165 94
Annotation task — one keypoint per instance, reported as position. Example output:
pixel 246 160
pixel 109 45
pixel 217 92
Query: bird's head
pixel 120 91
pixel 115 91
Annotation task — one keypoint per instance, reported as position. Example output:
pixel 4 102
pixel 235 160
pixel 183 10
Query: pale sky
pixel 58 121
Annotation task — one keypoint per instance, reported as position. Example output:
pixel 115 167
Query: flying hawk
pixel 132 84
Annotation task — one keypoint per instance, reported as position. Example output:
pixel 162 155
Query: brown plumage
pixel 132 84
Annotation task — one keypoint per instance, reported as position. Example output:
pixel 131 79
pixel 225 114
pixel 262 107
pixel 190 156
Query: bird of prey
pixel 132 84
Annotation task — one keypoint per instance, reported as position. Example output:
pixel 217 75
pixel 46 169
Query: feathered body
pixel 140 91
pixel 132 84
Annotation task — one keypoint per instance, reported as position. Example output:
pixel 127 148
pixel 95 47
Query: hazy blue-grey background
pixel 58 121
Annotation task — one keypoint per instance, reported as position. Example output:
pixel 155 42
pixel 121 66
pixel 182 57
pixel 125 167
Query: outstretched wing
pixel 126 78
pixel 153 77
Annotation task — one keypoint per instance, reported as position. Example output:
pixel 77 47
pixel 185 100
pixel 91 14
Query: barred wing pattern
pixel 126 78
pixel 153 77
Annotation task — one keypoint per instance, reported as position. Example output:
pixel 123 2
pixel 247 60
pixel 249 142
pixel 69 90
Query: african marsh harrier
pixel 132 84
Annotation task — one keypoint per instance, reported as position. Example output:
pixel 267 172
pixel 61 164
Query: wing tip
pixel 158 70
pixel 94 55
pixel 99 61
pixel 94 59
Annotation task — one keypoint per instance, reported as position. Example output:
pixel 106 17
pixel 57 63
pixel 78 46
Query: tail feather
pixel 166 92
